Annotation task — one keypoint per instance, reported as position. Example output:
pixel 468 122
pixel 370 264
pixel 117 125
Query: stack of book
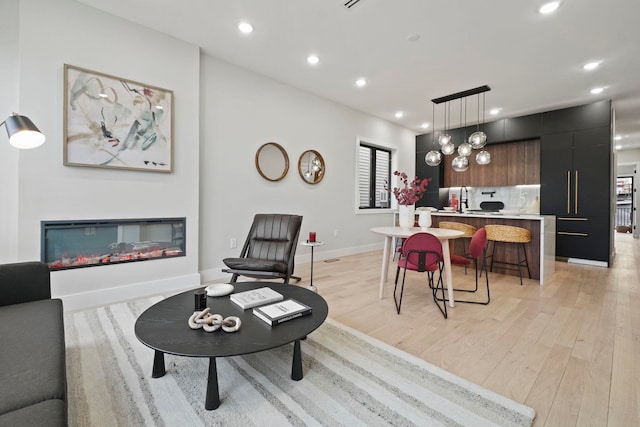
pixel 280 312
pixel 256 297
pixel 269 305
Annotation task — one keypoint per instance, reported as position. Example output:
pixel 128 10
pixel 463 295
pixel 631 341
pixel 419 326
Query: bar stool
pixel 468 230
pixel 509 234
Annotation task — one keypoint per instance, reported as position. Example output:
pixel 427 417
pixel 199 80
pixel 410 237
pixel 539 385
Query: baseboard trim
pixel 587 262
pixel 85 300
pixel 216 274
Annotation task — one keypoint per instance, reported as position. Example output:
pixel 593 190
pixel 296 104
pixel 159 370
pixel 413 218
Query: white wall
pixel 55 32
pixel 241 110
pixel 626 157
pixel 222 115
pixel 9 71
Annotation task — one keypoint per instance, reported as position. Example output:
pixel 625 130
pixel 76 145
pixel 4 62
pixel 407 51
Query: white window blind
pixel 373 174
pixel 383 159
pixel 364 173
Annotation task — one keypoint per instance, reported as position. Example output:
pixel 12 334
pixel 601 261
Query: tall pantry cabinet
pixel 576 183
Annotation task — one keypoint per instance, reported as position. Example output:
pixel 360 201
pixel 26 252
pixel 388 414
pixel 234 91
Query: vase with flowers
pixel 407 195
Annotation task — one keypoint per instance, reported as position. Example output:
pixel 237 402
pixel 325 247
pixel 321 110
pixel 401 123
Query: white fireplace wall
pixel 51 33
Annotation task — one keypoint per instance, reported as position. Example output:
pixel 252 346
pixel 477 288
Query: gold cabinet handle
pixel 567 233
pixel 568 192
pixel 576 190
pixel 561 218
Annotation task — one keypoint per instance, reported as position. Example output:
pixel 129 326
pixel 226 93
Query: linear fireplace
pixel 89 243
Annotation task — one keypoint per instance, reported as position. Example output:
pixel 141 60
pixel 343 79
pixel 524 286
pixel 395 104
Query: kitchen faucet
pixel 463 199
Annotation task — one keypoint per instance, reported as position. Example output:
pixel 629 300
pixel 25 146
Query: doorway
pixel 624 217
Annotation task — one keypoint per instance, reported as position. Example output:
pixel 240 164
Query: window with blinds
pixel 374 172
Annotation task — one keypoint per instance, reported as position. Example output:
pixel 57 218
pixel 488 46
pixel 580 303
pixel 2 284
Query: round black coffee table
pixel 164 328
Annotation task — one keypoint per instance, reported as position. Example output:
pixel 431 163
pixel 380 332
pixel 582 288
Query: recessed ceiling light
pixel 361 82
pixel 245 27
pixel 424 125
pixel 618 147
pixel 548 8
pixel 313 59
pixel 413 37
pixel 399 114
pixel 495 111
pixel 597 90
pixel 617 138
pixel 591 65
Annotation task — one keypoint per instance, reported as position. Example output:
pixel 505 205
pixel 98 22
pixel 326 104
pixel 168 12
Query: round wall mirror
pixel 311 167
pixel 272 161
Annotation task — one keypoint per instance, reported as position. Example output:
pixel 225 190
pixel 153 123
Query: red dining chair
pixel 477 253
pixel 422 252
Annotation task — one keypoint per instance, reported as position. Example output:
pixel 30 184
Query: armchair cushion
pixel 24 282
pixel 254 264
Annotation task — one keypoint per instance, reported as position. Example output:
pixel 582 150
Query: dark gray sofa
pixel 33 380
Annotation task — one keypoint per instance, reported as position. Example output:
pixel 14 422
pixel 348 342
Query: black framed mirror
pixel 272 161
pixel 311 167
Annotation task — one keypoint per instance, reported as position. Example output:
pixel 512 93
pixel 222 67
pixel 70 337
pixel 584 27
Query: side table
pixel 311 245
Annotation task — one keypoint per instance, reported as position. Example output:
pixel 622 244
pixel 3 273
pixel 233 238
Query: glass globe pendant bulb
pixel 448 148
pixel 433 158
pixel 444 139
pixel 483 158
pixel 460 164
pixel 478 140
pixel 464 149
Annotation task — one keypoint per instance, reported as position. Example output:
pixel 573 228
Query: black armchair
pixel 269 251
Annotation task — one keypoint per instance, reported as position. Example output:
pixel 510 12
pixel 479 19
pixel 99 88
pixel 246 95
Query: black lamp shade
pixel 22 132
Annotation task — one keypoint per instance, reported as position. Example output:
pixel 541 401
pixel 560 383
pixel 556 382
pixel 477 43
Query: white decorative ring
pixel 231 324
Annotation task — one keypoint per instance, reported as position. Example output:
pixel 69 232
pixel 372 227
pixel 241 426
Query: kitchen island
pixel 541 252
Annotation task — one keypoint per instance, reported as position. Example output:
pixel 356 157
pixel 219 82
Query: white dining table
pixel 444 235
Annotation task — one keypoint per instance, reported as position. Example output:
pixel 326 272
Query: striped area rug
pixel 350 380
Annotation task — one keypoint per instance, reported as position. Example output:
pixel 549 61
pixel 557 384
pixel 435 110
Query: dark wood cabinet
pixel 592 169
pixel 436 174
pixel 585 238
pixel 589 116
pixel 494 131
pixel 511 164
pixel 556 164
pixel 524 127
pixel 575 170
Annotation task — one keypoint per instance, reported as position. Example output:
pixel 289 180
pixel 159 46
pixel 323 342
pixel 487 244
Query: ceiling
pixel 532 62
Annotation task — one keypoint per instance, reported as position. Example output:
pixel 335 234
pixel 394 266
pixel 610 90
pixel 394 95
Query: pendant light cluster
pixel 477 140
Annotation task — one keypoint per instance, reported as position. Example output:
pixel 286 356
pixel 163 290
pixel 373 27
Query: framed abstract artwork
pixel 111 122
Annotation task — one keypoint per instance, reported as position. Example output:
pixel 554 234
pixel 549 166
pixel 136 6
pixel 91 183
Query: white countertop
pixel 491 215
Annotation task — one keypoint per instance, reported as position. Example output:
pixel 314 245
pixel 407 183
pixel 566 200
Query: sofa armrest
pixel 24 282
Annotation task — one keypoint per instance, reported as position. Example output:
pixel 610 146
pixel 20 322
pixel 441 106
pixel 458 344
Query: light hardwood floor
pixel 570 349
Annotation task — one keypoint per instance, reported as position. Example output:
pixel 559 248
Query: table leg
pixel 158 365
pixel 311 287
pixel 386 253
pixel 296 365
pixel 212 400
pixel 447 270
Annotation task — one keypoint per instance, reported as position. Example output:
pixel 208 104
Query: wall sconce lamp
pixel 22 132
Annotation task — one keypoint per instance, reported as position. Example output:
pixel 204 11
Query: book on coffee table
pixel 255 297
pixel 279 312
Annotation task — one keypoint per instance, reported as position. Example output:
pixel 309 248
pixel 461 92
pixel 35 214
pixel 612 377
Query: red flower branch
pixel 412 191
